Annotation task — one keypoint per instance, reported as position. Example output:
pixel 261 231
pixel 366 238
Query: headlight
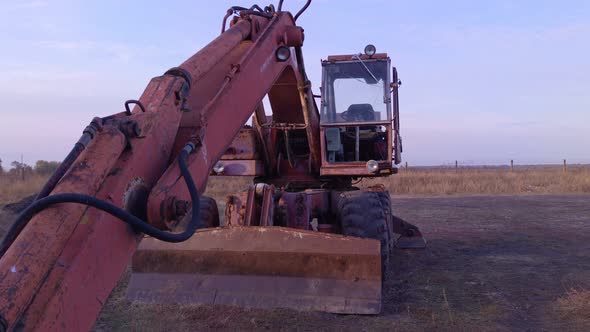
pixel 372 166
pixel 218 167
pixel 283 53
pixel 370 50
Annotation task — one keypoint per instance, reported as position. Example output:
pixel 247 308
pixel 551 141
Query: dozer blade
pixel 261 267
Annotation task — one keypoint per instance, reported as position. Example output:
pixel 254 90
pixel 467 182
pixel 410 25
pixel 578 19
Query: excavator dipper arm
pixel 60 270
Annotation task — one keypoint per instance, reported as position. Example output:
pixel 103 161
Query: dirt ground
pixel 493 263
pixel 518 263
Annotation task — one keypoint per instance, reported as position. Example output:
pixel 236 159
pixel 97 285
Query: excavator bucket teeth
pixel 410 242
pixel 261 267
pixel 410 235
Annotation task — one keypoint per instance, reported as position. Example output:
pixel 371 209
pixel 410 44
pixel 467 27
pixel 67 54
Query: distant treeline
pixel 21 170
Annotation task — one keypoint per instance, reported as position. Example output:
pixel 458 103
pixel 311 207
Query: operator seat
pixel 359 112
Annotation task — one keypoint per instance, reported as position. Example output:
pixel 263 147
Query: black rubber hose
pixel 116 211
pixel 61 170
pixel 87 136
pixel 302 10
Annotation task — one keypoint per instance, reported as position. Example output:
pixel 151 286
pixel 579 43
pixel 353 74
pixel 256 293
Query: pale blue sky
pixel 483 81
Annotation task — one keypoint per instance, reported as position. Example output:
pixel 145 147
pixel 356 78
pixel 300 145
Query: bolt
pixel 130 128
pixel 181 208
pixel 175 209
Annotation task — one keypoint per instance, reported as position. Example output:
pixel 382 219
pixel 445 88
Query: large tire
pixel 362 214
pixel 385 199
pixel 209 212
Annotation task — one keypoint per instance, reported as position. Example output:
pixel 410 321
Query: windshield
pixel 353 92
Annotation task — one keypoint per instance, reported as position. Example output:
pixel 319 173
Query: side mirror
pixel 397 84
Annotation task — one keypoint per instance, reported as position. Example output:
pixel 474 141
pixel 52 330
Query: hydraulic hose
pixel 123 215
pixel 87 136
pixel 302 10
pixel 61 170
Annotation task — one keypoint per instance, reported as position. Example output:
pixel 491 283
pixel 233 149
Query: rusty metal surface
pixel 319 204
pixel 262 267
pixel 242 168
pixel 198 98
pixel 355 169
pixel 352 57
pixel 100 248
pixel 296 210
pixel 27 261
pixel 206 59
pixel 311 294
pixel 245 145
pixel 310 114
pixel 235 100
pixel 251 250
pixel 267 206
pixel 293 36
pixel 251 213
pixel 292 209
pixel 235 209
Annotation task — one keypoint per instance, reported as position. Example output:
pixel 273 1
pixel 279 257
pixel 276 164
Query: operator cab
pixel 359 118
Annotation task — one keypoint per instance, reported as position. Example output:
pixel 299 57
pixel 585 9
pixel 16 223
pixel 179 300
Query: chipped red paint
pixel 261 267
pixel 90 261
pixel 234 101
pixel 245 145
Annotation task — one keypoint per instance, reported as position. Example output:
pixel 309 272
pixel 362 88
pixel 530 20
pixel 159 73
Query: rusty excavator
pixel 300 236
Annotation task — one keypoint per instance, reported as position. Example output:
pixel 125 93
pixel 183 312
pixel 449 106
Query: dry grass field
pixel 507 251
pixel 413 182
pixel 423 181
pixel 12 190
pixel 489 181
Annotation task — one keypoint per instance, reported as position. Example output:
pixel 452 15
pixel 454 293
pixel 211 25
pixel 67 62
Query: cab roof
pixel 352 57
